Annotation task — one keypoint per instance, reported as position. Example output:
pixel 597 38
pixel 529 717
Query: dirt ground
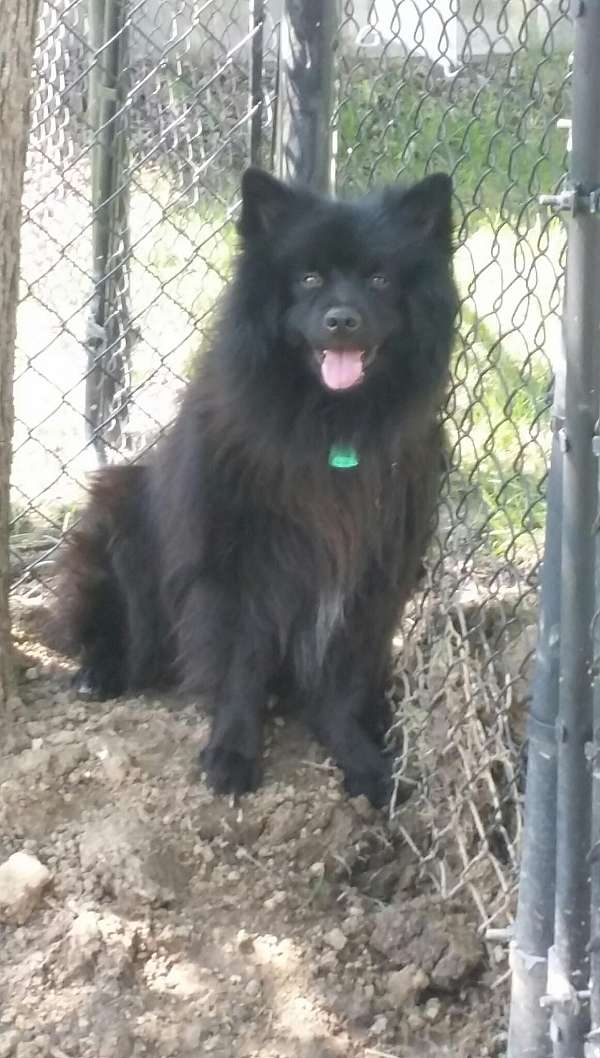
pixel 160 920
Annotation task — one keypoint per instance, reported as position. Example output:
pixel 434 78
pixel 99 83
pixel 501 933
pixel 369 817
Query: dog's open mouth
pixel 342 368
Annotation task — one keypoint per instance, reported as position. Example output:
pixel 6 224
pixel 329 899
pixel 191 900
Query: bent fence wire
pixel 144 116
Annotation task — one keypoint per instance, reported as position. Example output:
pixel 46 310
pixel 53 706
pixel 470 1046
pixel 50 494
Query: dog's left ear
pixel 265 203
pixel 428 206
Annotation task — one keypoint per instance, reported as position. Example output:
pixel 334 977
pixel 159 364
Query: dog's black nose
pixel 342 319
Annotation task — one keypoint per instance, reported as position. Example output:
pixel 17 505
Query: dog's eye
pixel 379 281
pixel 311 280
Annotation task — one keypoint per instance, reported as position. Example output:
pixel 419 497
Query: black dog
pixel 272 542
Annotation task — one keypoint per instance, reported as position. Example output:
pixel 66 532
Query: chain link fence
pixel 142 124
pixel 122 263
pixel 478 90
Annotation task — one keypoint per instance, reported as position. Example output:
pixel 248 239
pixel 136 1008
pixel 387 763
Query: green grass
pixel 495 130
pixel 498 417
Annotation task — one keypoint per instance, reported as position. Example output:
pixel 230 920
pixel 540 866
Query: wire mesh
pixel 474 87
pixel 179 128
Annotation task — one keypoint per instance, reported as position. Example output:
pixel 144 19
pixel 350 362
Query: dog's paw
pixel 228 772
pixel 377 721
pixel 87 684
pixel 376 784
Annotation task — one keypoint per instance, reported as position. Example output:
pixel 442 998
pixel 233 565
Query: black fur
pixel 239 562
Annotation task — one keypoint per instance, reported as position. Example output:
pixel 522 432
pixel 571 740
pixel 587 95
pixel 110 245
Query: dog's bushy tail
pixel 108 598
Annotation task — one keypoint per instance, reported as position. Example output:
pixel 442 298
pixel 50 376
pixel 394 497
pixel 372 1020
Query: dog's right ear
pixel 265 203
pixel 428 206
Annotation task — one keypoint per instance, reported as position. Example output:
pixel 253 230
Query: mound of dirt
pixel 172 923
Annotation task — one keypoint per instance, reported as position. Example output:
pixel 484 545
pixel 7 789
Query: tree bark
pixel 18 20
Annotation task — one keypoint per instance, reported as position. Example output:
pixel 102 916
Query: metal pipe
pixel 306 92
pixel 569 969
pixel 107 40
pixel 257 29
pixel 529 1024
pixel 592 1047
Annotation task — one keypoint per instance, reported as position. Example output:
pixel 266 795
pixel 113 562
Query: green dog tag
pixel 343 458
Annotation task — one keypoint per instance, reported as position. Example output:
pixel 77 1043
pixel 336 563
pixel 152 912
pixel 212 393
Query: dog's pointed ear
pixel 265 203
pixel 428 207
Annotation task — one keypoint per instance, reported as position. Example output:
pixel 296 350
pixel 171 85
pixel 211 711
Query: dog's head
pixel 354 286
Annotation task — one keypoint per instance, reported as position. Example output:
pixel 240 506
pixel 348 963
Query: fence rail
pixel 145 115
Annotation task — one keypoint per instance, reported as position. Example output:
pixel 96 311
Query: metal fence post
pixel 592 1047
pixel 303 152
pixel 257 29
pixel 109 335
pixel 568 960
pixel 528 1031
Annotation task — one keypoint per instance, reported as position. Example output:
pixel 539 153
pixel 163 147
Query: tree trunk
pixel 18 19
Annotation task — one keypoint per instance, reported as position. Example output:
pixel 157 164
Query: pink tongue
pixel 341 368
